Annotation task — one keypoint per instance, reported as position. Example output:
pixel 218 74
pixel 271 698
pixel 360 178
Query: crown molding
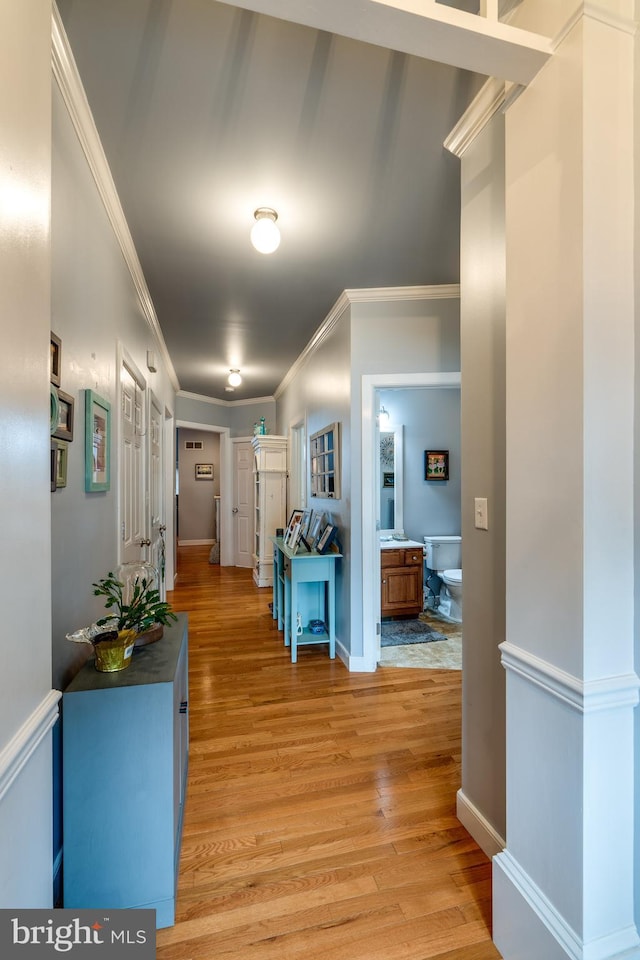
pixel 223 403
pixel 490 100
pixel 67 77
pixel 365 295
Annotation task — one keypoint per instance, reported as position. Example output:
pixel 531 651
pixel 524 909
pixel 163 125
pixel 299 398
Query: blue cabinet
pixel 125 755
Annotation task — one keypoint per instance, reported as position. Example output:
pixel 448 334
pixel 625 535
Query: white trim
pixel 585 696
pixel 195 543
pixel 444 291
pixel 18 751
pixel 226 485
pixel 354 664
pixel 488 839
pixel 224 403
pixel 68 79
pixel 370 597
pixel 530 909
pixel 485 105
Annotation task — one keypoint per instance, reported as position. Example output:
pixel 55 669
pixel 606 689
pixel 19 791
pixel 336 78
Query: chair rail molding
pixel 15 755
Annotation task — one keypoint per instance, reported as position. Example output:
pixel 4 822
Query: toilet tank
pixel 443 553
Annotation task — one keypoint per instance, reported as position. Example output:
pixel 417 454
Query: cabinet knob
pixel 384 581
pixel 183 706
pixel 414 557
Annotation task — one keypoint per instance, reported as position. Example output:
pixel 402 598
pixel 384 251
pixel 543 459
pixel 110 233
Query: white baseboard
pixel 196 543
pixel 526 925
pixel 354 664
pixel 488 839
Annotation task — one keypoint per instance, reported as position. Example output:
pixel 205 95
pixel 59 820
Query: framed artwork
pixel 315 529
pixel 53 454
pixel 295 536
pixel 388 480
pixel 61 456
pixel 64 425
pixel 53 409
pixel 97 442
pixel 436 464
pixel 204 471
pixel 294 521
pixel 328 536
pixel 305 524
pixel 55 358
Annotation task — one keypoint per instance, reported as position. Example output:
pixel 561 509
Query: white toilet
pixel 444 555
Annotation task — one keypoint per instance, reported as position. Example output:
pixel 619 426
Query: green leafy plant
pixel 144 610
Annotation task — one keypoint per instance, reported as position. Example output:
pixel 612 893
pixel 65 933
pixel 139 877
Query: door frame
pixel 226 484
pixel 370 546
pixel 126 361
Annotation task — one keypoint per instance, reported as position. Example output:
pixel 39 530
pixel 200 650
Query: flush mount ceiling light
pixel 265 236
pixel 234 379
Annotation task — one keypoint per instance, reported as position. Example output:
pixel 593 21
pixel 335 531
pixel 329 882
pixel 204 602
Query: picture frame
pixel 204 471
pixel 295 518
pixel 97 443
pixel 61 459
pixel 295 536
pixel 305 523
pixel 328 536
pixel 315 529
pixel 55 359
pixel 53 464
pixel 436 465
pixel 388 479
pixel 65 415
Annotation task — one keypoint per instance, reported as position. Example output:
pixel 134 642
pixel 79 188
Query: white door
pixel 156 493
pixel 243 480
pixel 133 539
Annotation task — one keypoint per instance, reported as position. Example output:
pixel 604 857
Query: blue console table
pixel 304 583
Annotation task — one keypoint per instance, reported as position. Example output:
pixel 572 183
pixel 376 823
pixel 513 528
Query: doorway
pixel 225 534
pixel 371 383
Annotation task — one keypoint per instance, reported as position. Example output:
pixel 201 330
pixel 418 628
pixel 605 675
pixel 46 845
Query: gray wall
pixel 431 421
pixel 482 321
pixel 93 308
pixel 238 417
pixel 196 513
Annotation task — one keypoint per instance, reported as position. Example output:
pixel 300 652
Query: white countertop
pixel 394 544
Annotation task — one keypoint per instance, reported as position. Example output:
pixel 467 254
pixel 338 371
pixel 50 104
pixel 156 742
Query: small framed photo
pixel 328 536
pixel 436 464
pixel 64 426
pixel 388 479
pixel 204 471
pixel 97 443
pixel 315 529
pixel 61 456
pixel 305 523
pixel 55 359
pixel 294 520
pixel 295 536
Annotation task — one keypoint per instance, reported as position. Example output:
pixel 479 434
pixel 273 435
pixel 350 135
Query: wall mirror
pixel 391 481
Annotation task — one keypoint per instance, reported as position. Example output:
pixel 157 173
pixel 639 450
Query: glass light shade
pixel 234 379
pixel 265 235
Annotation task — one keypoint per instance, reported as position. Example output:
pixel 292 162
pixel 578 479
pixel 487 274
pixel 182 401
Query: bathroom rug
pixel 396 633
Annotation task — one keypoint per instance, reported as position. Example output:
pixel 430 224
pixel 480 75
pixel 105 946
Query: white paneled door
pixel 157 525
pixel 133 539
pixel 243 504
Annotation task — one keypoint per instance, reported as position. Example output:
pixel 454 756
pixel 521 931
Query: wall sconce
pixel 234 379
pixel 384 418
pixel 265 236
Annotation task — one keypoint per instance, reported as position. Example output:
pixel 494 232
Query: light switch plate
pixel 481 513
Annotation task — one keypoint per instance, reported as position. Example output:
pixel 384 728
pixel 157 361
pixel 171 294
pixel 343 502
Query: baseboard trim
pixel 527 925
pixel 488 839
pixel 19 750
pixel 196 543
pixel 354 664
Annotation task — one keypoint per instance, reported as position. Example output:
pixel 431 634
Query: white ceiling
pixel 207 111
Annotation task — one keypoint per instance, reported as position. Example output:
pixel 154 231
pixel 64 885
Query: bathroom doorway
pixel 371 385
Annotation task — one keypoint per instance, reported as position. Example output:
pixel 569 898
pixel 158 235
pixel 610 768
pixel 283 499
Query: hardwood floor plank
pixel 320 813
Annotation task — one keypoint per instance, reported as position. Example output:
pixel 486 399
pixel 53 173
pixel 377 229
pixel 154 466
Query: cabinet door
pixel 401 590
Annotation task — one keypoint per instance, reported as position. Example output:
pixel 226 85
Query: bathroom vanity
pixel 401 575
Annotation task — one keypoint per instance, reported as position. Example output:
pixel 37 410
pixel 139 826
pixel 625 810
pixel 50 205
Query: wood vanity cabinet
pixel 401 582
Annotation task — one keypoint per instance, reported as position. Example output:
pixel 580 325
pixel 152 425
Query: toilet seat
pixel 452 576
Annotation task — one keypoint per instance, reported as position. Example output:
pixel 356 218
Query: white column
pixel 564 885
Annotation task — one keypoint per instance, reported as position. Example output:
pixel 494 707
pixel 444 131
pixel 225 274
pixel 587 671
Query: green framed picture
pixel 97 442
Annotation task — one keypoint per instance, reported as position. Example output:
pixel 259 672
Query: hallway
pixel 320 814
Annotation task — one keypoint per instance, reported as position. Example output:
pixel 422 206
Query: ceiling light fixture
pixel 265 236
pixel 234 379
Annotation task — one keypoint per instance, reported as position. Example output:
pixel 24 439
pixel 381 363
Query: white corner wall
pixel 28 706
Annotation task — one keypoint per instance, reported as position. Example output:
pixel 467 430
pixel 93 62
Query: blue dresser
pixel 125 755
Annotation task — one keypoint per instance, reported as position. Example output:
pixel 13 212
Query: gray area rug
pixel 399 632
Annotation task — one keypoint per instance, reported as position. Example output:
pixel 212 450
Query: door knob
pixel 235 510
pixel 144 542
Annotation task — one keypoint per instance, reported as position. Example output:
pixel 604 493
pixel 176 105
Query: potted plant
pixel 136 610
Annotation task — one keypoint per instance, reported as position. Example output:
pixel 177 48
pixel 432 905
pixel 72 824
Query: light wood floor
pixel 320 814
